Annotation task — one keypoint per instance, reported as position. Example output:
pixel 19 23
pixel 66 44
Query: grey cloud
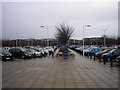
pixel 24 19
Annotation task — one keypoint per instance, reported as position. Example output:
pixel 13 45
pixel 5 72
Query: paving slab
pixel 57 72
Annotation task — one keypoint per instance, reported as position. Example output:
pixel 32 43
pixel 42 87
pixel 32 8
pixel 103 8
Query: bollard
pixel 111 64
pixel 99 59
pixel 87 55
pixel 104 61
pixel 94 57
pixel 90 56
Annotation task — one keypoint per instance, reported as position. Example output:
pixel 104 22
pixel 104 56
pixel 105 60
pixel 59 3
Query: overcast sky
pixel 23 19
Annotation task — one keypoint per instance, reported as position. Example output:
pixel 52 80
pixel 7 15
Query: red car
pixel 100 53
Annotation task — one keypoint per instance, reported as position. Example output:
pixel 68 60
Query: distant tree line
pixel 25 42
pixel 35 42
pixel 100 41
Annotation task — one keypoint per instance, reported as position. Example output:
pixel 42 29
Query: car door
pixel 17 53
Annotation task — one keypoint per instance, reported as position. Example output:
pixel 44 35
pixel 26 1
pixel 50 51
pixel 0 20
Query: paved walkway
pixel 77 72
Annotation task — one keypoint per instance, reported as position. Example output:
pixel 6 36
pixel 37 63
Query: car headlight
pixel 96 53
pixel 26 54
pixel 10 54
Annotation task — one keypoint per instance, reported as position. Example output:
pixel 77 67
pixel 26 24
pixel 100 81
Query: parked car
pixel 93 50
pixel 5 55
pixel 46 51
pixel 104 48
pixel 40 50
pixel 78 48
pixel 73 47
pixel 103 52
pixel 111 55
pixel 20 53
pixel 83 49
pixel 35 53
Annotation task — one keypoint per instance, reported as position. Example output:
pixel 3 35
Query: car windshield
pixel 36 49
pixel 32 50
pixel 107 50
pixel 22 49
pixel 112 51
pixel 3 51
pixel 94 49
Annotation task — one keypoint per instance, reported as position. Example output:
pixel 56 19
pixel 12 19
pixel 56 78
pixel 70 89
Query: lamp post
pixel 83 36
pixel 104 36
pixel 28 42
pixel 42 26
pixel 16 43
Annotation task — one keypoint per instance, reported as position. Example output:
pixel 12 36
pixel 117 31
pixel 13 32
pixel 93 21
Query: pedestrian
pixel 52 52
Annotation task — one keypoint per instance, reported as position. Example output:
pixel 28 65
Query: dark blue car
pixel 111 55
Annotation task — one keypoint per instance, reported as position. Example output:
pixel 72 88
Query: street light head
pixel 42 26
pixel 88 25
pixel 104 30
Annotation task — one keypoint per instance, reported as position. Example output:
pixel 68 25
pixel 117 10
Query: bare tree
pixel 64 32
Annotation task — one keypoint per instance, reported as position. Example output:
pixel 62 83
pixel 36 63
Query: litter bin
pixel 65 54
